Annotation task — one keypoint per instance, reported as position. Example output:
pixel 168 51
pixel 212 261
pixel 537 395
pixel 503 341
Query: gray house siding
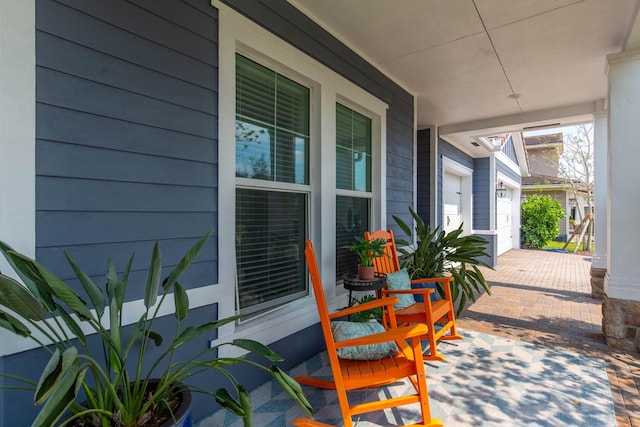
pixel 126 149
pixel 287 22
pixel 424 175
pixel 481 193
pixel 509 149
pixel 506 170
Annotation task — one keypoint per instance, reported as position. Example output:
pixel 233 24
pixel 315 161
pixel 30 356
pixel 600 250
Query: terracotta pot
pixel 365 273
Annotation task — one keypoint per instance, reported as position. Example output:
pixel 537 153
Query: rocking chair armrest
pixel 446 279
pixel 381 302
pixel 393 334
pixel 423 291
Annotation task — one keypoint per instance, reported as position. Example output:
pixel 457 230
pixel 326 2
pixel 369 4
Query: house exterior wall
pixel 543 161
pixel 423 172
pixel 482 194
pixel 509 150
pixel 287 22
pixel 127 149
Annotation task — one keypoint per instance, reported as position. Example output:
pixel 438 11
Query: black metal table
pixel 354 283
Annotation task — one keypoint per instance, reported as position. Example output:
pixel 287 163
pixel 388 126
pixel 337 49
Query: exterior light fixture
pixel 501 191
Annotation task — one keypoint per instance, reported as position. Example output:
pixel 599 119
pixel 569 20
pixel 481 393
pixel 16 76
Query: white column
pixel 623 192
pixel 17 126
pixel 601 143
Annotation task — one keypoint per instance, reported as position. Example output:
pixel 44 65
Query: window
pixel 353 182
pixel 272 177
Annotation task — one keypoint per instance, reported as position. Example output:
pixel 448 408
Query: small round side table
pixel 354 283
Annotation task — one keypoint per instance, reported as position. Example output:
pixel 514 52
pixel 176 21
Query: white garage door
pixel 504 222
pixel 451 200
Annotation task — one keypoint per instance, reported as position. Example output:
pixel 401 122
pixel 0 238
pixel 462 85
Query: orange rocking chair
pixel 357 374
pixel 426 312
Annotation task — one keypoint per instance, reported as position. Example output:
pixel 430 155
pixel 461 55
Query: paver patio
pixel 545 298
pixel 538 297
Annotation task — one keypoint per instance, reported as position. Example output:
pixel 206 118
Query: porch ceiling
pixel 480 67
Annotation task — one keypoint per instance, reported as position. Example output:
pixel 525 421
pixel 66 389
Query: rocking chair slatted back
pixel 427 312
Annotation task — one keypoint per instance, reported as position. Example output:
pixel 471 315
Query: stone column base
pixel 621 323
pixel 597 282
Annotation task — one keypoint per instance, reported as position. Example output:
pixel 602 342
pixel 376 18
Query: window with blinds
pixel 272 171
pixel 353 176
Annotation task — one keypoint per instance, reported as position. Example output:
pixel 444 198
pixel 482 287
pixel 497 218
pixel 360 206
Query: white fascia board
pixel 521 153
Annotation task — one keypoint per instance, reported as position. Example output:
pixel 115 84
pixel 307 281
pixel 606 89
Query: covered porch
pixel 533 354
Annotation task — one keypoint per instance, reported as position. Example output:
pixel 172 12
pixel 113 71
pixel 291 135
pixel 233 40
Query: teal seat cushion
pixel 343 330
pixel 400 281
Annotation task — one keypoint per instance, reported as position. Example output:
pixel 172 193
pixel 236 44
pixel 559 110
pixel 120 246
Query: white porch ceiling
pixel 479 67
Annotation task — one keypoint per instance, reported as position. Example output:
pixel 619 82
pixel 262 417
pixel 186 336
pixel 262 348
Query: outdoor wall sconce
pixel 501 191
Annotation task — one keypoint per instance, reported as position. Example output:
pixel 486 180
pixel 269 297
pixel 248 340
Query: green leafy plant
pixel 118 391
pixel 367 250
pixel 366 315
pixel 540 220
pixel 438 253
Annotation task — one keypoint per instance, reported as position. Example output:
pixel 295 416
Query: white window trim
pixel 240 35
pixel 17 140
pixel 466 190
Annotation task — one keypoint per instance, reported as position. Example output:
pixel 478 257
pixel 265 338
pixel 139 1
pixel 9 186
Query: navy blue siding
pixel 126 150
pixel 447 150
pixel 506 170
pixel 126 127
pixel 482 193
pixel 491 248
pixel 509 150
pixel 424 175
pixel 287 22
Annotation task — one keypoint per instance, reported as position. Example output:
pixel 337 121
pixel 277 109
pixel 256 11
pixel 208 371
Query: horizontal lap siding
pixel 509 150
pixel 506 170
pixel 284 20
pixel 126 127
pixel 424 175
pixel 482 194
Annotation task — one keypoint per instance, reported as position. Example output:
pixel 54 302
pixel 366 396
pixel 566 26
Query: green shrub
pixel 540 220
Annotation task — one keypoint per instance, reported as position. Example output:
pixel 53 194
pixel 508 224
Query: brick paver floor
pixel 545 298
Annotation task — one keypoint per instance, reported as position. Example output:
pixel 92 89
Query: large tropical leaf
pixel 14 325
pixel 258 348
pixel 186 260
pixel 62 397
pixel 58 364
pixel 181 301
pixel 18 299
pixel 93 292
pixel 193 331
pixel 153 277
pixel 55 286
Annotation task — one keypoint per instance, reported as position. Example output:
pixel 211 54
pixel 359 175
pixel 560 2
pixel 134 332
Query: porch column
pixel 599 264
pixel 621 305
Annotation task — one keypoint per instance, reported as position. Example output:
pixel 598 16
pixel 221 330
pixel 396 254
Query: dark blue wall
pixel 482 193
pixel 506 170
pixel 287 22
pixel 127 135
pixel 126 127
pixel 424 175
pixel 509 150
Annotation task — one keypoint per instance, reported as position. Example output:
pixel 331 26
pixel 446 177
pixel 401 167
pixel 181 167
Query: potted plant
pixel 117 390
pixel 439 253
pixel 367 250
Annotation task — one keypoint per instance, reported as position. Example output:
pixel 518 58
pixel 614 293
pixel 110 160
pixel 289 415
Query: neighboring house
pixel 125 122
pixel 543 153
